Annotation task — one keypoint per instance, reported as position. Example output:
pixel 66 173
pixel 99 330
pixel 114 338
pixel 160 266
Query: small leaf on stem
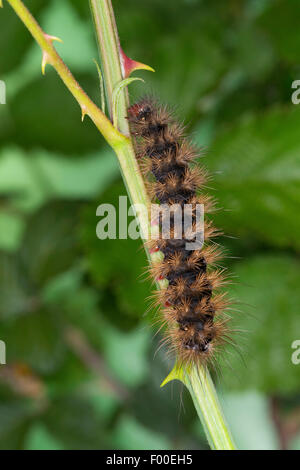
pixel 175 374
pixel 116 94
pixel 101 86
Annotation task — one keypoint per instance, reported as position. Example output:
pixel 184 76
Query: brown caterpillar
pixel 192 310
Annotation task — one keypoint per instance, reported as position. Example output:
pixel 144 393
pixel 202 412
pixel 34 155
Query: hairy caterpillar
pixel 192 310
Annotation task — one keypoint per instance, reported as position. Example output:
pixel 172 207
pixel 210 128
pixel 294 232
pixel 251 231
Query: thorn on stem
pixel 52 38
pixel 44 62
pixel 129 65
pixel 83 112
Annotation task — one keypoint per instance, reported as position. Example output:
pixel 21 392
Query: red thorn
pixel 129 65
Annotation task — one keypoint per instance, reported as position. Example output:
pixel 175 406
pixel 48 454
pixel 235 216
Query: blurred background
pixel 81 368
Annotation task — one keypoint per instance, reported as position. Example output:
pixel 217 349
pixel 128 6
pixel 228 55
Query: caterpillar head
pixel 140 112
pixel 196 335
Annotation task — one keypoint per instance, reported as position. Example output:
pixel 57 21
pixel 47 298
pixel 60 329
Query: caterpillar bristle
pixel 193 312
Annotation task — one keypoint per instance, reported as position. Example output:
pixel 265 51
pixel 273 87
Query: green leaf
pixel 110 261
pixel 11 230
pixel 63 285
pixel 15 415
pixel 72 420
pixel 81 310
pixel 295 442
pixel 281 23
pixel 81 177
pixel 77 50
pixel 257 178
pixel 39 438
pixel 29 180
pixel 126 354
pixel 103 401
pixel 50 242
pixel 35 339
pixel 267 291
pixel 131 435
pixel 53 124
pixel 13 32
pixel 78 47
pixel 15 289
pixel 20 181
pixel 190 50
pixel 249 417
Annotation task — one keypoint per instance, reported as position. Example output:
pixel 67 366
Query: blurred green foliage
pixel 81 365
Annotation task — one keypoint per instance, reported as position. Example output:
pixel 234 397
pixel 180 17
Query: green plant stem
pixel 200 385
pixel 206 402
pixel 197 380
pixel 111 66
pixel 109 48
